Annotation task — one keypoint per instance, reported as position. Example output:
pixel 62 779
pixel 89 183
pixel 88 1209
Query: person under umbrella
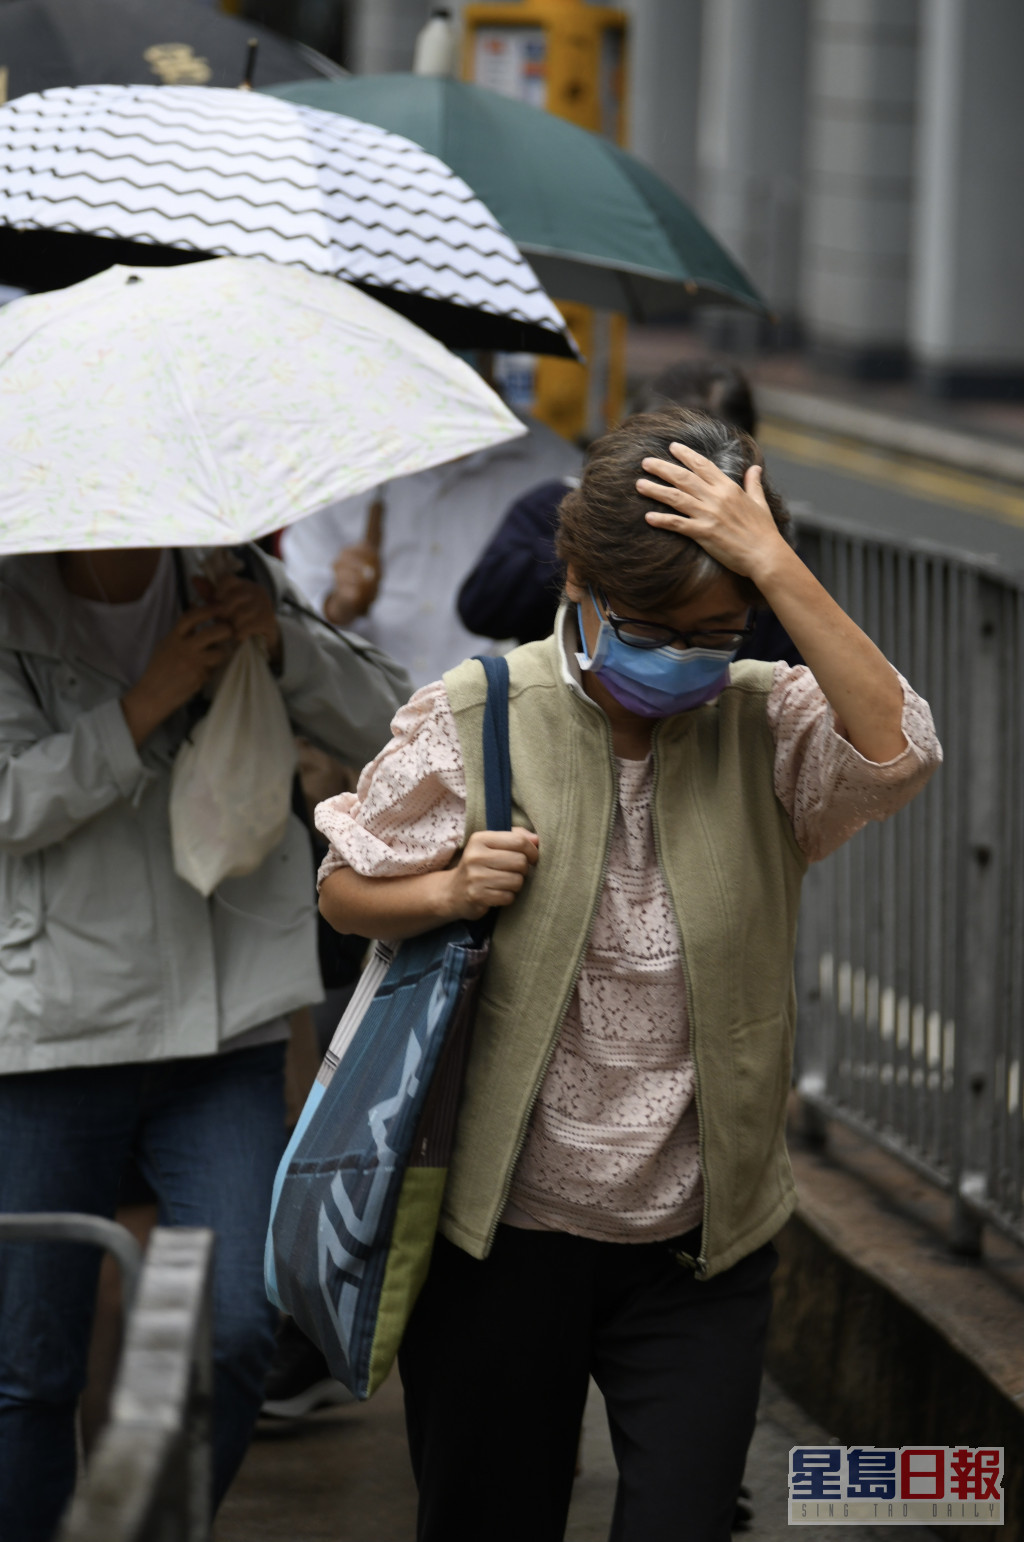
pixel 388 564
pixel 140 1018
pixel 139 1014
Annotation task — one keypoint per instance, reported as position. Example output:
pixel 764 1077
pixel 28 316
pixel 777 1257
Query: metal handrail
pixel 148 1479
pixel 72 1226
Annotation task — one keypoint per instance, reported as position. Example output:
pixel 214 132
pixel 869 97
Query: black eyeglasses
pixel 648 634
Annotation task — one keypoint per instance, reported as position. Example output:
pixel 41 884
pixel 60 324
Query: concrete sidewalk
pixel 343 1476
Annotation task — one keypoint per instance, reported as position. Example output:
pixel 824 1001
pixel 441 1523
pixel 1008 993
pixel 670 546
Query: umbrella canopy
pixel 597 224
pixel 47 43
pixel 212 403
pixel 181 171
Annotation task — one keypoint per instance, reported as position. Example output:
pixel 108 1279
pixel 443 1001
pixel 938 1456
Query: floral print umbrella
pixel 212 403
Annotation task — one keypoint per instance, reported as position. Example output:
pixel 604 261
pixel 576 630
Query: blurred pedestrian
pixel 138 1018
pixel 717 386
pixel 392 573
pixel 514 589
pixel 620 1167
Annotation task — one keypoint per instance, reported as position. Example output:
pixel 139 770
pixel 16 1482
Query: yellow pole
pixel 568 57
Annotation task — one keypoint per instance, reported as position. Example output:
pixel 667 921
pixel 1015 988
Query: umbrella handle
pixel 374 533
pixel 245 84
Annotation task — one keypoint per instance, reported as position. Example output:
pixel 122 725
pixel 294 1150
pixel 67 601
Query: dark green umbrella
pixel 597 225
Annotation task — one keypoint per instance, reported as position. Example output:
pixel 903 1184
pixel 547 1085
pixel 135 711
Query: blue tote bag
pixel 358 1193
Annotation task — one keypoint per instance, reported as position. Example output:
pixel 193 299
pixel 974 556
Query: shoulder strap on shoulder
pixel 497 766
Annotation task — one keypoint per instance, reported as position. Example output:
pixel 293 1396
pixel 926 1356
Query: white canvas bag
pixel 231 785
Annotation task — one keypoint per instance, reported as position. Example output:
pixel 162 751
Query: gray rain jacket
pixel 106 955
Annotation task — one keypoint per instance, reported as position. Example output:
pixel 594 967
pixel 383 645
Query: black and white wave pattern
pixel 236 174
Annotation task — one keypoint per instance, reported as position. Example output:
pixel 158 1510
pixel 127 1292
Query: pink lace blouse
pixel 612 1149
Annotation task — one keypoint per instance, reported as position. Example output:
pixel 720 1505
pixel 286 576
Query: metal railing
pixel 148 1477
pixel 910 960
pixel 71 1226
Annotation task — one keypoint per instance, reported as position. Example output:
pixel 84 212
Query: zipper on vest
pixel 521 1142
pixel 698 1265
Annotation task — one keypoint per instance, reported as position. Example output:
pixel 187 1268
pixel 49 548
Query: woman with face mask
pixel 620 1165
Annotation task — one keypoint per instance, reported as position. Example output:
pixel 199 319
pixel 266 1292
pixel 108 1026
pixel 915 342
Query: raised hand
pixel 181 665
pixel 733 524
pixel 357 575
pixel 247 608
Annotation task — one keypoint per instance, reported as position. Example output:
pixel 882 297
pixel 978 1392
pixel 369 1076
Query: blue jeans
pixel 207 1134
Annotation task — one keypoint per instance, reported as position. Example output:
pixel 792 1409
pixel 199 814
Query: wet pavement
pixel 343 1476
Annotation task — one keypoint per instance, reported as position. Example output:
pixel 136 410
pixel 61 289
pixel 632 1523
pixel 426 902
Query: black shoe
pixel 299 1379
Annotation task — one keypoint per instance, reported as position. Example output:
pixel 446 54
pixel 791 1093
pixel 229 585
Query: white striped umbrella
pixel 190 171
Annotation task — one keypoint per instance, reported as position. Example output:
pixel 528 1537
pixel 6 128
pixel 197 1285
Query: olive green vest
pixel 733 869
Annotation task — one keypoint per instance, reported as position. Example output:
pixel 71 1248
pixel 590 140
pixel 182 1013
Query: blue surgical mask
pixel 654 682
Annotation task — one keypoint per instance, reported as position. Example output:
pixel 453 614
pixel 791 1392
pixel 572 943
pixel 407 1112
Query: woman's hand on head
pixel 491 871
pixel 733 524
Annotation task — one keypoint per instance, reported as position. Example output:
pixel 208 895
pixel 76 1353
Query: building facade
pixel 864 160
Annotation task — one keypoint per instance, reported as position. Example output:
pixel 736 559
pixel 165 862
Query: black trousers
pixel 495 1366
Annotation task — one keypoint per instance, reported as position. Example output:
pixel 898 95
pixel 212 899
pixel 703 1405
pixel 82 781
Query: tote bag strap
pixel 497 766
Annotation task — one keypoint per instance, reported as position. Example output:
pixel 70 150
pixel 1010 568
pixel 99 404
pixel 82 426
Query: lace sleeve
pixel 829 789
pixel 408 812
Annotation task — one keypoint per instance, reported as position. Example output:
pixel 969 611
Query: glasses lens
pixel 639 635
pixel 723 641
pixel 646 634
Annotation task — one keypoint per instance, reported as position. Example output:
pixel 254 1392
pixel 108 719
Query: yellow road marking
pixel 926 478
